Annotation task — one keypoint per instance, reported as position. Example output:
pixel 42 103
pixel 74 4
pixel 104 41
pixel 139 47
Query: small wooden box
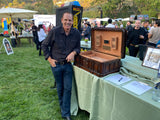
pixel 107 48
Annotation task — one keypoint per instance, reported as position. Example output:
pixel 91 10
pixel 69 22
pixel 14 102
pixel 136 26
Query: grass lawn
pixel 25 81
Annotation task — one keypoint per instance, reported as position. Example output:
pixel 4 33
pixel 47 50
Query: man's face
pixel 128 23
pixel 138 24
pixel 86 25
pixel 67 21
pixel 146 24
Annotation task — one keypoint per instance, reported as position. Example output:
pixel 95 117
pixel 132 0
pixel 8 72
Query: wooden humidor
pixel 107 48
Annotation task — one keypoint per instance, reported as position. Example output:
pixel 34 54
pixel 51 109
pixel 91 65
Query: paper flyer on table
pixel 118 79
pixel 137 87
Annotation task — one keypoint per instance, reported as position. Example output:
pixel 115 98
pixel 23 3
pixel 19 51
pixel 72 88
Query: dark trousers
pixel 133 51
pixel 63 77
pixel 36 41
pixel 40 48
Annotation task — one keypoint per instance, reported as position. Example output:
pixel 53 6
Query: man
pixel 121 25
pixel 154 35
pixel 35 34
pixel 87 31
pixel 64 44
pixel 110 25
pixel 135 37
pixel 145 27
pixel 129 26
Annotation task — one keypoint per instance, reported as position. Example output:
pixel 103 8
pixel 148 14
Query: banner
pixel 139 17
pixel 132 17
pixel 45 19
pixel 146 17
pixel 7 46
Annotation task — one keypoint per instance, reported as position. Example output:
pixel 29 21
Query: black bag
pixel 13 42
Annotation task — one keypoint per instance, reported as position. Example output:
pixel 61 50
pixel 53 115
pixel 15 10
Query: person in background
pixel 41 36
pixel 20 27
pixel 135 37
pixel 105 25
pixel 60 47
pixel 35 34
pixel 121 25
pixel 145 27
pixel 87 31
pixel 14 30
pixel 110 25
pixel 154 34
pixel 49 28
pixel 158 44
pixel 44 27
pixel 129 26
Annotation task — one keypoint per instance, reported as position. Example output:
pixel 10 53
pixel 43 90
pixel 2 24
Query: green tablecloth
pixel 107 101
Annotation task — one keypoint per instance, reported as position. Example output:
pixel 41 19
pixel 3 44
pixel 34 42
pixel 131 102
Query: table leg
pixel 18 41
pixel 31 41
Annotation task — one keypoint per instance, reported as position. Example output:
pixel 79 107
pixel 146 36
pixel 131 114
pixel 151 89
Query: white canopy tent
pixel 103 19
pixel 125 19
pixel 16 13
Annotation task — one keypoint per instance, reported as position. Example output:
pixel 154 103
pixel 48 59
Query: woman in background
pixel 41 36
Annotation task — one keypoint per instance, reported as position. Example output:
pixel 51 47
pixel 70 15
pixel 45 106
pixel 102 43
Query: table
pixel 30 39
pixel 107 101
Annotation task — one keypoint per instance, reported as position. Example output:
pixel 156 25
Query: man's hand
pixel 158 46
pixel 70 57
pixel 52 62
pixel 141 37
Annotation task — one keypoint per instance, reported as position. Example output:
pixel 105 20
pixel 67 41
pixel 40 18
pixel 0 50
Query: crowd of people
pixel 39 33
pixel 138 33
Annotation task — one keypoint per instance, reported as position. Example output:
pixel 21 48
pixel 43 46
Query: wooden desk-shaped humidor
pixel 107 48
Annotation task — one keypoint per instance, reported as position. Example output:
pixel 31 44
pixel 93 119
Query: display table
pixel 30 39
pixel 105 100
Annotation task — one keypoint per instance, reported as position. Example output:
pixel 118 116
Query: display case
pixel 107 48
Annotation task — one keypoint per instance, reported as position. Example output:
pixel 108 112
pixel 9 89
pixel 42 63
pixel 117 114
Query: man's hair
pixel 158 22
pixel 137 21
pixel 67 13
pixel 109 20
pixel 146 21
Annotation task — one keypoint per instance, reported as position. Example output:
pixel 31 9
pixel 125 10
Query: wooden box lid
pixel 109 41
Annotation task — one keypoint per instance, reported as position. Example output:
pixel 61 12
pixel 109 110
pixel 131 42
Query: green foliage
pixel 46 8
pixel 25 81
pixel 111 8
pixel 150 7
pixel 124 8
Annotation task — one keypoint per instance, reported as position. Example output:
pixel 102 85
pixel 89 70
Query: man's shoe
pixel 53 87
pixel 67 118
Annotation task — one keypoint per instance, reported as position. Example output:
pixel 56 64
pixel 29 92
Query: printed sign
pixel 140 17
pixel 7 46
pixel 132 17
pixel 45 19
pixel 76 15
pixel 152 58
pixel 146 17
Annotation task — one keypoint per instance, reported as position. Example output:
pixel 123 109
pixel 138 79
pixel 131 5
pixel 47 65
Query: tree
pixel 46 8
pixel 3 3
pixel 150 7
